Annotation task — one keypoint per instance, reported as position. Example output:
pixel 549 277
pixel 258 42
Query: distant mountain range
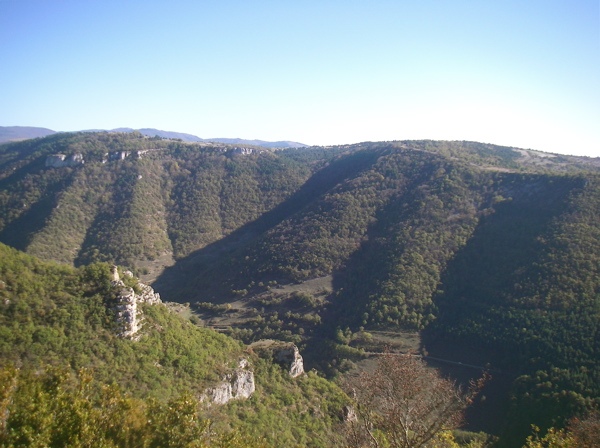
pixel 18 133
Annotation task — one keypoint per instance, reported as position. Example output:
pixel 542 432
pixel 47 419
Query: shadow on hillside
pixel 203 274
pixel 19 174
pixel 502 255
pixel 488 273
pixel 369 264
pixel 19 232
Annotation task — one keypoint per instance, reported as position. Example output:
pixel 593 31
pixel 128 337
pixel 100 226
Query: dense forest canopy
pixel 483 251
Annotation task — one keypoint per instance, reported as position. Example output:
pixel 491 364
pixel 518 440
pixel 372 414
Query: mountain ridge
pixel 18 133
pixel 488 249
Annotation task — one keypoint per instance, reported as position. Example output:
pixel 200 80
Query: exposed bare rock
pixel 246 151
pixel 349 414
pixel 243 151
pixel 290 357
pixel 115 274
pixel 129 315
pixel 147 295
pixel 237 385
pixel 119 155
pixel 62 160
pixel 285 354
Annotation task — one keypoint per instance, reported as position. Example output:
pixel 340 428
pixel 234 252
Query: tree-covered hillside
pixel 485 252
pixel 60 344
pixel 498 259
pixel 134 200
pixel 526 290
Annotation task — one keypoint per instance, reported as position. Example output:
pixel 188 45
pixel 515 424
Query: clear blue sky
pixel 511 72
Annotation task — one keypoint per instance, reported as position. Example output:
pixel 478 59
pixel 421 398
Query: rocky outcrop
pixel 285 354
pixel 349 414
pixel 291 359
pixel 62 160
pixel 246 151
pixel 243 151
pixel 129 315
pixel 122 155
pixel 237 385
pixel 118 155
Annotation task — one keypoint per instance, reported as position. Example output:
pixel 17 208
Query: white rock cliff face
pixel 237 385
pixel 61 160
pixel 291 358
pixel 129 316
pixel 285 354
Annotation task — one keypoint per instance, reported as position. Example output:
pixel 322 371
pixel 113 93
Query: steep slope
pixel 59 320
pixel 525 291
pixel 384 230
pixel 54 314
pixel 453 241
pixel 414 240
pixel 128 199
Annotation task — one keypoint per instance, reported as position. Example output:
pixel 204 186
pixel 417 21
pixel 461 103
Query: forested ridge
pixel 164 198
pixel 491 250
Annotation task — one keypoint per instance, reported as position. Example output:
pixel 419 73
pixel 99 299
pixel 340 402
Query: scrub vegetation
pixel 486 255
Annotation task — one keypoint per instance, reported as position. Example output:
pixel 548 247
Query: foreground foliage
pixel 77 379
pixel 579 433
pixel 404 404
pixel 56 408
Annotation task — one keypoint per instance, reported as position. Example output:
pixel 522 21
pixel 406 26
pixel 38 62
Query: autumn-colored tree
pixel 579 433
pixel 404 403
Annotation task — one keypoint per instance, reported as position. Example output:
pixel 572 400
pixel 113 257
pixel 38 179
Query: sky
pixel 511 72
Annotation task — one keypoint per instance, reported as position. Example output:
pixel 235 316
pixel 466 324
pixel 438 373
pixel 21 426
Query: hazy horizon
pixel 320 73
